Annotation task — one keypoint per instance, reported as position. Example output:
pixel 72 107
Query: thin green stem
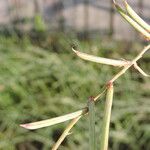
pixel 106 120
pixel 92 141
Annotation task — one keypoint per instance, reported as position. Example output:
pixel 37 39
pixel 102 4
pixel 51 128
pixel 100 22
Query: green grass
pixel 37 83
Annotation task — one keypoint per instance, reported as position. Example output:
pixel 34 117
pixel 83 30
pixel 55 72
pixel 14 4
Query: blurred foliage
pixel 46 80
pixel 39 23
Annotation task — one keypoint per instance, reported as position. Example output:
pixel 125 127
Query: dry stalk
pixel 65 133
pixel 133 62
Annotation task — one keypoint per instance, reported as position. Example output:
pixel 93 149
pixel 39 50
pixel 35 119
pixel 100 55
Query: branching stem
pixel 66 132
pixel 132 63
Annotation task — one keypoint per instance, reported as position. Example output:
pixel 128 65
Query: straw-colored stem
pixel 103 90
pixel 128 66
pixel 106 120
pixel 66 132
pixel 140 70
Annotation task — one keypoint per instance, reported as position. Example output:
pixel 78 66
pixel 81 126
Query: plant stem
pixel 66 132
pixel 132 63
pixel 92 141
pixel 106 120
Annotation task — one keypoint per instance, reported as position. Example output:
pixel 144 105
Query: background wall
pixel 92 16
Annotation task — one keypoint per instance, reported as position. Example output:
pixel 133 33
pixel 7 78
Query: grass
pixel 37 84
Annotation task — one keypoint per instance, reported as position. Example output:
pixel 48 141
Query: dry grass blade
pixel 53 121
pixel 136 17
pixel 65 133
pixel 106 61
pixel 132 22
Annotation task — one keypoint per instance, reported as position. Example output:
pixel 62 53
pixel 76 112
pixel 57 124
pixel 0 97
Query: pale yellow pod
pixel 136 17
pixel 101 60
pixel 144 32
pixel 53 121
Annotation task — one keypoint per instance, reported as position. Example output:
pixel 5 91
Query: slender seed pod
pixel 136 17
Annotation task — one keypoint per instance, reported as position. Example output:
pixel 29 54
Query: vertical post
pixel 111 19
pixel 140 7
pixel 61 20
pixel 37 6
pixel 86 19
pixel 74 16
pixel 9 12
pixel 17 6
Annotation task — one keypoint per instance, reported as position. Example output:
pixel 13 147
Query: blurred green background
pixel 42 78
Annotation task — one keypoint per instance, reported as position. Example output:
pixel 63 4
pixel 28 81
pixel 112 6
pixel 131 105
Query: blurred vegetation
pixel 42 78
